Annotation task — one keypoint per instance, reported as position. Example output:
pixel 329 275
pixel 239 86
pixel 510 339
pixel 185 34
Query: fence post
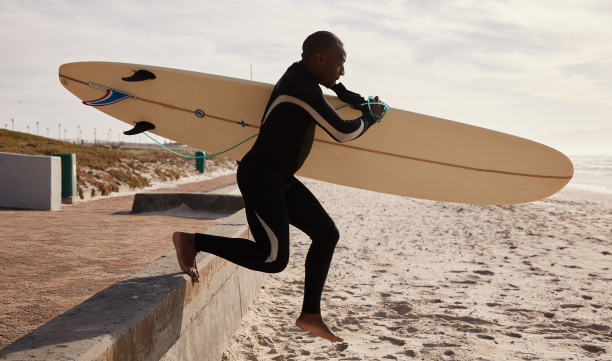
pixel 69 186
pixel 200 162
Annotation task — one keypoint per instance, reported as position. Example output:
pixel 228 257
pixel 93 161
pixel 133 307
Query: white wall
pixel 30 181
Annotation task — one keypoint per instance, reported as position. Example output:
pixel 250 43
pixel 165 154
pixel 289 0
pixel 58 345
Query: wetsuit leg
pixel 268 220
pixel 308 215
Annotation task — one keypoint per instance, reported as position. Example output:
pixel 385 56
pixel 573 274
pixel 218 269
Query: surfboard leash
pixel 201 156
pixel 370 101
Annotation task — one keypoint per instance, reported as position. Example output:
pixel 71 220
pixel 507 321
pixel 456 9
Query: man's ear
pixel 320 57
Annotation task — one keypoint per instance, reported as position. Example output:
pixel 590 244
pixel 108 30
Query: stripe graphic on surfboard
pixel 111 97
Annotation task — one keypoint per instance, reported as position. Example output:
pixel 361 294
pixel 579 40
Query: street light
pixel 28 129
pixel 59 131
pixel 47 132
pixel 65 134
pixel 13 125
pixel 37 128
pixel 78 132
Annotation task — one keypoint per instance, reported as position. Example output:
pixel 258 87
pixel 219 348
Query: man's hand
pixel 376 108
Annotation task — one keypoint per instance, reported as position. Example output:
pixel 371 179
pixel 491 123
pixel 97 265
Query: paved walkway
pixel 52 261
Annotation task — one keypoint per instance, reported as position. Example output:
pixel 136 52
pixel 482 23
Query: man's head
pixel 323 53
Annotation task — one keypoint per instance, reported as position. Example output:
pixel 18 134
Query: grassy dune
pixel 104 169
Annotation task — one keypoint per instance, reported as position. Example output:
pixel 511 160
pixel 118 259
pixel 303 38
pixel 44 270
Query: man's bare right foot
pixel 314 323
pixel 184 243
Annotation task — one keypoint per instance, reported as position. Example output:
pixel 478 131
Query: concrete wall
pixel 156 313
pixel 208 202
pixel 30 181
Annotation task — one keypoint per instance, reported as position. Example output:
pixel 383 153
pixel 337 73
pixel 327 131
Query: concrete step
pixel 199 202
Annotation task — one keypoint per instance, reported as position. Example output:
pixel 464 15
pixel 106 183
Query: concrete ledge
pixel 71 200
pixel 206 202
pixel 155 313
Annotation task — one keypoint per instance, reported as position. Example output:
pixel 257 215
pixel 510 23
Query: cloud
pixel 517 66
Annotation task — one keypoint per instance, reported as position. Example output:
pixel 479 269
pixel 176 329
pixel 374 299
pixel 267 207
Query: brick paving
pixel 52 261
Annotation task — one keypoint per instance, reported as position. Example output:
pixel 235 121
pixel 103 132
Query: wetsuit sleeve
pixel 307 94
pixel 342 130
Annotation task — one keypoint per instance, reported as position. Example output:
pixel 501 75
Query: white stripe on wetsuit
pixel 341 137
pixel 272 238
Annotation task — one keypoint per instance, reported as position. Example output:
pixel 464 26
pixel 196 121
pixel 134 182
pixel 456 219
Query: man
pixel 273 197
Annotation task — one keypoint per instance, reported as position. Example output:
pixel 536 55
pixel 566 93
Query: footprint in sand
pixel 393 340
pixel 484 272
pixel 593 349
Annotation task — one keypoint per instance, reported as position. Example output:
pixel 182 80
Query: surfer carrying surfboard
pixel 273 197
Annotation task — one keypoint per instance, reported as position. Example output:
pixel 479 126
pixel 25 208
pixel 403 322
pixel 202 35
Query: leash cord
pixel 370 101
pixel 202 156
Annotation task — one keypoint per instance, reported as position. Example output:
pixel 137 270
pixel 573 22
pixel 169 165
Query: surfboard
pixel 407 154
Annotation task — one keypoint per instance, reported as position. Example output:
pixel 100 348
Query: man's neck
pixel 308 68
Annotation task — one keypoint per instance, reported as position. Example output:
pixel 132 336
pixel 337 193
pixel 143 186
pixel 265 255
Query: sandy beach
pixel 417 279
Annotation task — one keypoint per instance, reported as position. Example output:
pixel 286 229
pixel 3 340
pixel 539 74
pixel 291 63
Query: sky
pixel 528 68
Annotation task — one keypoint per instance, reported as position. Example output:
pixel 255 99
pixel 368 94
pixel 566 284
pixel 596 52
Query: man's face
pixel 331 66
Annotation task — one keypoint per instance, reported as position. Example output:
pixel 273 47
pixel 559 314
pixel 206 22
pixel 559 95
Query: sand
pixel 417 279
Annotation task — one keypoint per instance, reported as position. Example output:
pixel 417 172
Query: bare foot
pixel 184 243
pixel 314 323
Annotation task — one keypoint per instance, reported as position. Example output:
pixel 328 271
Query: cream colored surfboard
pixel 407 154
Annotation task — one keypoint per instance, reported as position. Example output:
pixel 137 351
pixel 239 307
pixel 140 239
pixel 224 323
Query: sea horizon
pixel 592 173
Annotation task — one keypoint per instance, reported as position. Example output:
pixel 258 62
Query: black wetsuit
pixel 273 197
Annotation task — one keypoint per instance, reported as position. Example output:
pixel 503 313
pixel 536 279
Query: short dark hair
pixel 320 42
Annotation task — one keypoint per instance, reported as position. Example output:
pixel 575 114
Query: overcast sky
pixel 522 67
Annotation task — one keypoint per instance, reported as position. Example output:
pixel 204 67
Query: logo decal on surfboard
pixel 200 113
pixel 111 97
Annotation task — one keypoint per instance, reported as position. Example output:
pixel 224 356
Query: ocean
pixel 592 173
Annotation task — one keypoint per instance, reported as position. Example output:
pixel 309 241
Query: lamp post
pixel 78 133
pixel 37 128
pixel 110 135
pixel 94 135
pixel 59 131
pixel 81 136
pixel 13 125
pixel 65 134
pixel 47 132
pixel 28 129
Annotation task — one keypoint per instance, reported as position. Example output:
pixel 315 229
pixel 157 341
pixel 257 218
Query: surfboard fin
pixel 140 75
pixel 140 127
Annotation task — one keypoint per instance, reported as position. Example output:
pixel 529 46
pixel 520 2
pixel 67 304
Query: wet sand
pixel 416 279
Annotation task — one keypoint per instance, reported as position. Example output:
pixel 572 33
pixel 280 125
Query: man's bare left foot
pixel 184 243
pixel 314 323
